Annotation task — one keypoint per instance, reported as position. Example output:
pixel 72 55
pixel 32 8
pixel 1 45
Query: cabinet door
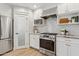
pixel 73 7
pixel 62 8
pixel 74 50
pixel 34 41
pixel 61 49
pixel 38 14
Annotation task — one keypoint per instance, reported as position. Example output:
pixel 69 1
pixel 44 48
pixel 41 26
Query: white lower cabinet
pixel 67 47
pixel 74 50
pixel 61 49
pixel 34 41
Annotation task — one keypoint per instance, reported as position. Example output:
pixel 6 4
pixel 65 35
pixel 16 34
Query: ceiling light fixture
pixel 35 6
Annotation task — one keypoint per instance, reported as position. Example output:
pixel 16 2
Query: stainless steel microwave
pixel 39 21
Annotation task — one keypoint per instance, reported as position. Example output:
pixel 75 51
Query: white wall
pixel 31 22
pixel 5 10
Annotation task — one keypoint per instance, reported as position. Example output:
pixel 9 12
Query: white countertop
pixel 69 36
pixel 35 33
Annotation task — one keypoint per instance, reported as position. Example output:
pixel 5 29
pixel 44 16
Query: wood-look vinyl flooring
pixel 24 52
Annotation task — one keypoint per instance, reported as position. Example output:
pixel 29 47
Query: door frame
pixel 16 13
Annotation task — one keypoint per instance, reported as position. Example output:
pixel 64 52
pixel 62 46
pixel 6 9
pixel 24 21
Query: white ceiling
pixel 31 5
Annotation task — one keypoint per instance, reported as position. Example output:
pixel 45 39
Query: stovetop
pixel 50 33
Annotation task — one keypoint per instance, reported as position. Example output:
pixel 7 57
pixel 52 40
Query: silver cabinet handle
pixel 33 38
pixel 67 40
pixel 67 45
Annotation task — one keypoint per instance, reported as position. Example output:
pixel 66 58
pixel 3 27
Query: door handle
pixel 17 33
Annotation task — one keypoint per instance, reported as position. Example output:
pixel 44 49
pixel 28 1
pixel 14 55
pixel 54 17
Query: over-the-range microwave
pixel 39 21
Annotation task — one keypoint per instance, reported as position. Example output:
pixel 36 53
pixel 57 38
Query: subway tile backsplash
pixel 73 29
pixel 53 27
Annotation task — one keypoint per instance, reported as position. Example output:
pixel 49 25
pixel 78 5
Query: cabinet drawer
pixel 75 41
pixel 61 39
pixel 36 36
pixel 60 43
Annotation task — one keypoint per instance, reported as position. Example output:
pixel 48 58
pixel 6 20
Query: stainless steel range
pixel 48 43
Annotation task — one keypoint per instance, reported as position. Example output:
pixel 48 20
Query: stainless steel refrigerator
pixel 5 34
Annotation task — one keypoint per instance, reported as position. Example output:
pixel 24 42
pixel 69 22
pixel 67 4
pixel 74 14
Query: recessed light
pixel 35 6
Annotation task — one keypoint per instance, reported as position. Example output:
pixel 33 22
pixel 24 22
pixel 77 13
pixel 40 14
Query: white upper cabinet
pixel 62 8
pixel 50 11
pixel 68 8
pixel 73 7
pixel 38 13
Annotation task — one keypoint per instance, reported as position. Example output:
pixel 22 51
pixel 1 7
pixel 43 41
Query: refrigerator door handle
pixel 5 39
pixel 0 27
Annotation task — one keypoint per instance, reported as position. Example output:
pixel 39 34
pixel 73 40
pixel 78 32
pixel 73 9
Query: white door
pixel 21 33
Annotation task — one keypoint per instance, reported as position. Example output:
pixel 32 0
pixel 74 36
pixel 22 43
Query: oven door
pixel 47 44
